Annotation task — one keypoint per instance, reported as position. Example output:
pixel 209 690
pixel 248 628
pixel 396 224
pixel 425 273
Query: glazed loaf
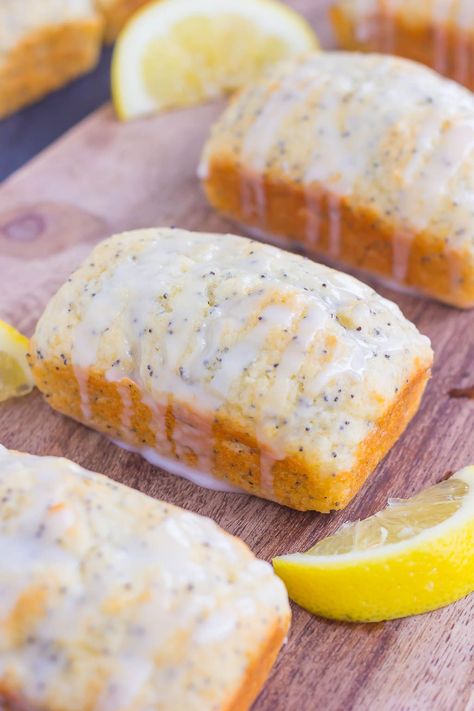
pixel 44 44
pixel 365 158
pixel 234 359
pixel 439 33
pixel 111 600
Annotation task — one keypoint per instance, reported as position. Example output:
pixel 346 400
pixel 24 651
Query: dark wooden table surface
pixel 27 132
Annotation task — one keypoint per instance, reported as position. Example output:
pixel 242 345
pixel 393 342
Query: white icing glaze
pixel 401 250
pixel 246 352
pixel 441 12
pixel 374 131
pixel 375 24
pixel 334 207
pixel 315 319
pixel 115 374
pixel 362 274
pixel 441 151
pixel 82 384
pixel 260 139
pixel 266 475
pixel 246 194
pixel 364 11
pixel 313 215
pixel 173 466
pixel 19 21
pixel 312 323
pixel 151 605
pixel 330 162
pixel 157 404
pixel 222 329
pixel 463 60
pixel 388 29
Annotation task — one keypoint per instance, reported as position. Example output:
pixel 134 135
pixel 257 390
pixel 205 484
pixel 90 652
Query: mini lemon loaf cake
pixel 439 33
pixel 116 14
pixel 368 159
pixel 44 44
pixel 113 600
pixel 225 357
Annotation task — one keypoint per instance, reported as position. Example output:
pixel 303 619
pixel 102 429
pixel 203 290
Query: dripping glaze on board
pixel 174 466
pixel 442 142
pixel 188 368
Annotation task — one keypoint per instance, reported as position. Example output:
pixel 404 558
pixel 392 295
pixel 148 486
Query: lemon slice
pixel 15 373
pixel 416 555
pixel 176 53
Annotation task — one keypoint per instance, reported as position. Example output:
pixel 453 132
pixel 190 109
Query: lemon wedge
pixel 176 53
pixel 416 555
pixel 15 373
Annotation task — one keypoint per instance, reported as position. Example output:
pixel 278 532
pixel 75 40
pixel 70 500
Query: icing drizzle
pixel 370 130
pixel 224 329
pixel 375 25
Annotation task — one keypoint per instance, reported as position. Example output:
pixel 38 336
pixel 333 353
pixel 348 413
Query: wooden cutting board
pixel 104 177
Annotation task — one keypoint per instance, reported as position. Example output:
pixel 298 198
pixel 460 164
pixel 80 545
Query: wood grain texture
pixel 104 177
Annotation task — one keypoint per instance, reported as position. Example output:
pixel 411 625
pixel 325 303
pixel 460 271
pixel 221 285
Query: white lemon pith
pixel 176 53
pixel 15 374
pixel 414 556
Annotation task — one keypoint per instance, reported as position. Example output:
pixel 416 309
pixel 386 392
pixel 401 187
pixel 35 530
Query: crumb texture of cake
pixel 43 45
pixel 366 158
pixel 112 600
pixel 439 33
pixel 233 358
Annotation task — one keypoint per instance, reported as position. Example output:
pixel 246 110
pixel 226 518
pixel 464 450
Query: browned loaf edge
pixel 297 483
pixel 255 676
pixel 366 237
pixel 116 15
pixel 257 671
pixel 46 60
pixel 396 34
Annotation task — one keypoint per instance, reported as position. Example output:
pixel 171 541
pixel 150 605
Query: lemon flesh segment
pixel 177 53
pixel 414 556
pixel 15 374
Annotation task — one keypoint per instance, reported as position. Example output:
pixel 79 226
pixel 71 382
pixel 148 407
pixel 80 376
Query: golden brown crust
pixel 252 683
pixel 234 452
pixel 366 238
pixel 116 14
pixel 408 39
pixel 258 670
pixel 46 60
